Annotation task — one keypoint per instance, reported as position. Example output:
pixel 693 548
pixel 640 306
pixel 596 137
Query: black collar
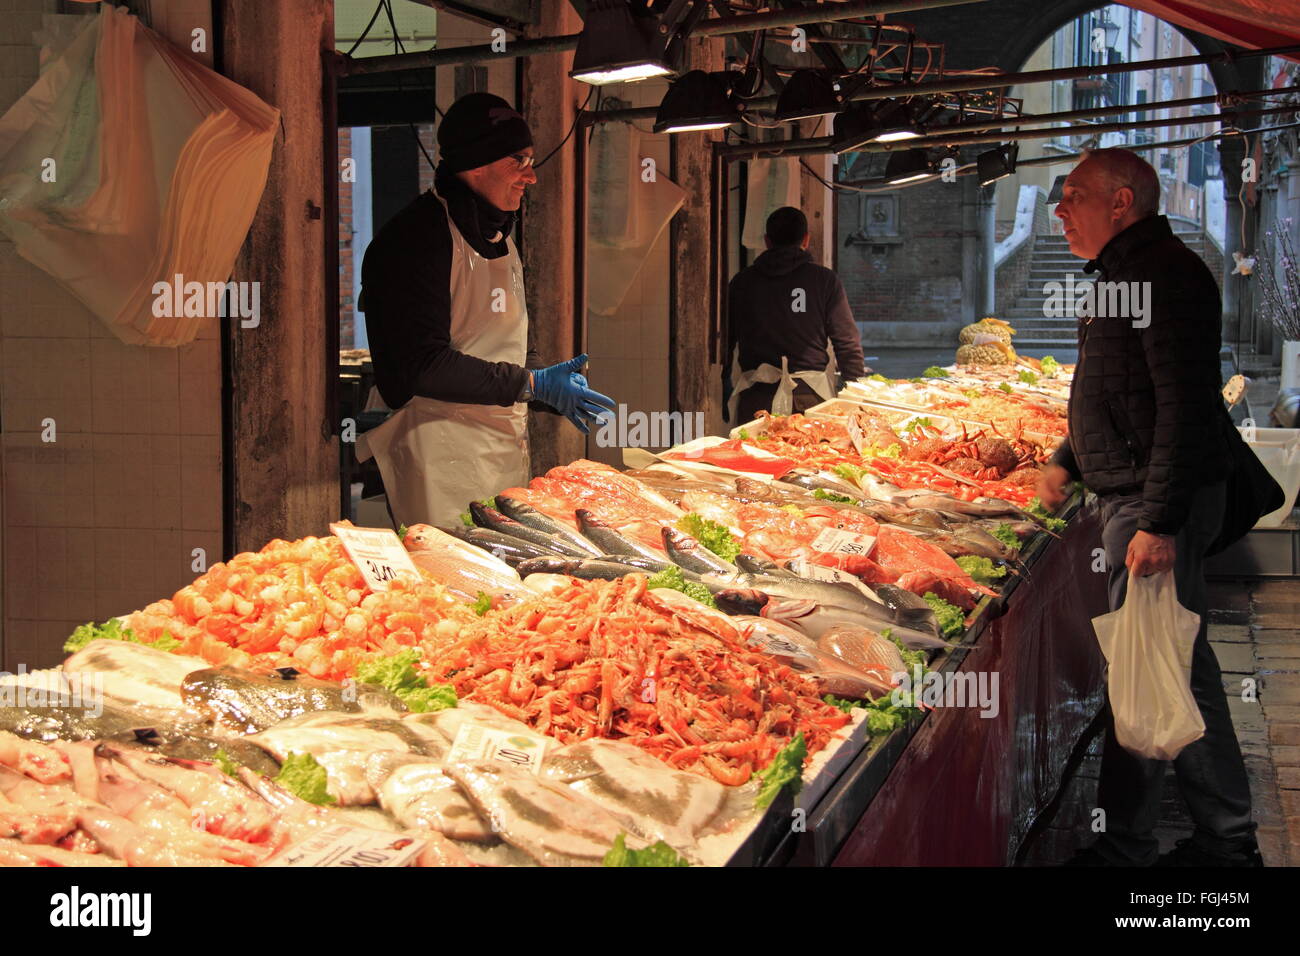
pixel 483 225
pixel 1121 246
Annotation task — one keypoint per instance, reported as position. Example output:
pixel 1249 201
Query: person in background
pixel 1147 435
pixel 782 311
pixel 443 294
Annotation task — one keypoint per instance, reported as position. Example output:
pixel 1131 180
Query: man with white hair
pixel 1148 434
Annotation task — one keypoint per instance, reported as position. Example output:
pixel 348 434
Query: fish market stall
pixel 716 657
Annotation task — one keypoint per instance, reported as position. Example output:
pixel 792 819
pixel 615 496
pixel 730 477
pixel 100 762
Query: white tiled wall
pixel 105 518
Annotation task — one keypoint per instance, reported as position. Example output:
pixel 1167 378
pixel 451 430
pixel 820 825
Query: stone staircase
pixel 1052 262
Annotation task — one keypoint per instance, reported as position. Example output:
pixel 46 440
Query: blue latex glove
pixel 565 389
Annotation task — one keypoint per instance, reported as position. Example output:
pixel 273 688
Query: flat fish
pixel 135 672
pixel 653 800
pixel 552 823
pixel 246 702
pixel 325 731
pixel 416 792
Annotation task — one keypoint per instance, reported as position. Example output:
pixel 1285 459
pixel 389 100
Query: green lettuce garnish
pixel 1028 377
pixel 673 578
pixel 915 423
pixel 711 534
pixel 1005 388
pixel 306 779
pixel 884 716
pixel 983 570
pixel 226 763
pixel 482 604
pixel 1004 533
pixel 401 531
pixel 786 768
pixel 112 630
pixel 743 434
pixel 843 703
pixel 397 674
pixel 850 473
pixel 877 378
pixel 895 450
pixel 1035 508
pixel 467 519
pixel 825 495
pixel 1050 366
pixel 657 854
pixel 935 371
pixel 951 618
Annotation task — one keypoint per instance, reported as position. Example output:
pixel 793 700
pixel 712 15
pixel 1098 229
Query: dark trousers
pixel 1210 771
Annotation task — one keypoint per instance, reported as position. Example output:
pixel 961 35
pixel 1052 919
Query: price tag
pixel 345 845
pixel 477 742
pixel 776 645
pixel 839 541
pixel 819 572
pixel 377 552
pixel 855 434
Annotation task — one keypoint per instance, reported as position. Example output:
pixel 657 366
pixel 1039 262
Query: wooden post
pixel 284 456
pixel 550 227
pixel 695 384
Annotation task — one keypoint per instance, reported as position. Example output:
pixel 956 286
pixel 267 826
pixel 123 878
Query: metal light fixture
pixel 617 47
pixel 907 166
pixel 997 163
pixel 897 123
pixel 697 101
pixel 854 127
pixel 807 94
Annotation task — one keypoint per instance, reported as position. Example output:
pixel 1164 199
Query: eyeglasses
pixel 523 160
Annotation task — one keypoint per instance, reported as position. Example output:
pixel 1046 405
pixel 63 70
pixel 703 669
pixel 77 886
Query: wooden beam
pixel 284 479
pixel 550 226
pixel 694 382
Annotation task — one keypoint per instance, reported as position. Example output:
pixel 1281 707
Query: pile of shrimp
pixel 300 604
pixel 611 659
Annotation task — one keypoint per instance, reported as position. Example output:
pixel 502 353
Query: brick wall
pixel 917 280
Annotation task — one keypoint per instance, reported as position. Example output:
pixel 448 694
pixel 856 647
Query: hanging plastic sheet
pixel 131 173
pixel 620 245
pixel 772 183
pixel 967 788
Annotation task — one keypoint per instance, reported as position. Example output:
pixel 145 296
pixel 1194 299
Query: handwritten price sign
pixel 378 554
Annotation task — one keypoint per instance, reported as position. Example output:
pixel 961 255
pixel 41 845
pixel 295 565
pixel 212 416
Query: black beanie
pixel 478 129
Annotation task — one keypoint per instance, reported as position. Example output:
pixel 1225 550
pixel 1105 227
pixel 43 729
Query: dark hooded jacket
pixel 765 322
pixel 1146 414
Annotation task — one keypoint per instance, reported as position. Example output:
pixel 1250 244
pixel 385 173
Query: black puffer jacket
pixel 1145 409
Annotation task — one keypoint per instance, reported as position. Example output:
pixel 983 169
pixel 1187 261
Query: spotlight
pixel 697 100
pixel 998 163
pixel 807 94
pixel 616 47
pixel 897 122
pixel 907 166
pixel 854 127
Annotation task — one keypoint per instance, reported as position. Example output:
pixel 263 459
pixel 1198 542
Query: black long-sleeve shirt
pixel 406 296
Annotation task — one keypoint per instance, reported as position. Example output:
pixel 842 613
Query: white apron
pixel 823 383
pixel 435 456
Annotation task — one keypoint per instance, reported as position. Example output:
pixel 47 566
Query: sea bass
pixel 527 515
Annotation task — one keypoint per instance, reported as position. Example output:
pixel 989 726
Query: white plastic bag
pixel 1148 647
